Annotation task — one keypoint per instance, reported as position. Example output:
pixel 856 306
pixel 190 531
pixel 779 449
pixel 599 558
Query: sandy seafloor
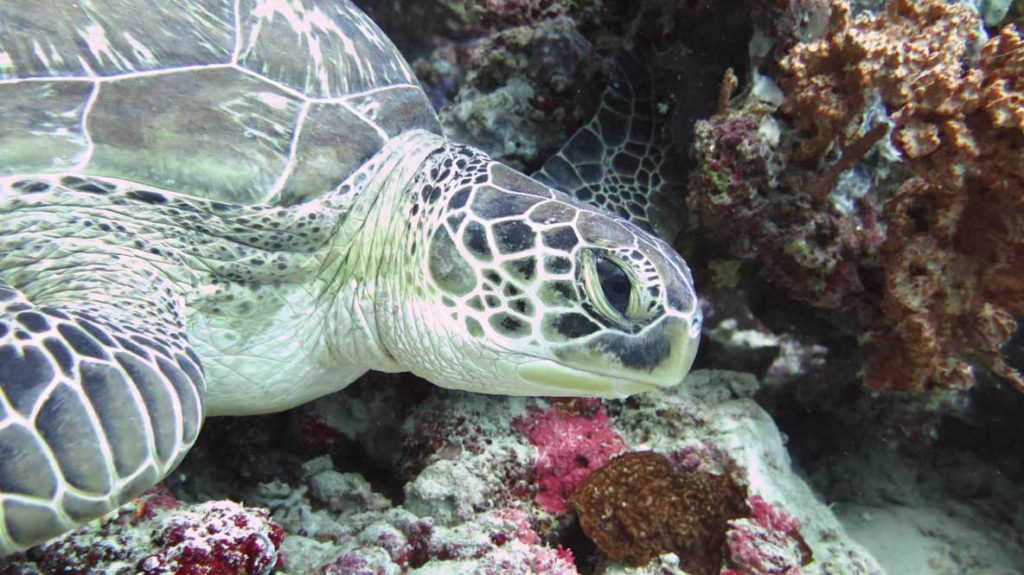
pixel 394 475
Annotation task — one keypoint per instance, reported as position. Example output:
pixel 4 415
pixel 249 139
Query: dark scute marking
pixel 147 196
pixel 92 189
pixel 523 306
pixel 573 325
pixel 508 325
pixel 562 238
pixel 24 375
pixel 523 268
pixel 562 174
pixel 33 321
pixel 557 264
pixel 192 412
pixel 625 163
pixel 145 341
pixel 505 177
pixel 140 483
pixel 430 194
pixel 80 509
pixel 447 267
pixel 16 307
pixel 157 399
pixel 119 415
pixel 32 187
pixel 193 372
pixel 591 173
pixel 22 335
pixel 195 359
pixel 81 342
pixel 61 354
pixel 65 425
pixel 133 347
pixel 490 203
pixel 645 353
pixel 7 293
pixel 476 241
pixel 679 298
pixel 558 293
pixel 97 332
pixel 614 127
pixel 552 213
pixel 52 312
pixel 563 289
pixel 28 524
pixel 514 236
pixel 455 221
pixel 585 146
pixel 459 199
pixel 474 327
pixel 24 469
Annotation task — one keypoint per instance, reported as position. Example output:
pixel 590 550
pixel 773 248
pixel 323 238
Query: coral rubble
pixel 157 535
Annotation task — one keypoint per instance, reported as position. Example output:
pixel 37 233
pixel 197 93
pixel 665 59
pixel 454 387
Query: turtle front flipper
pixel 92 410
pixel 624 160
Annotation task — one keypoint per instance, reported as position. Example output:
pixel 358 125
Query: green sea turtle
pixel 216 207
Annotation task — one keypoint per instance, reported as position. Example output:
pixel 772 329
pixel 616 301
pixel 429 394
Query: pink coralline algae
pixel 569 448
pixel 160 536
pixel 217 538
pixel 766 543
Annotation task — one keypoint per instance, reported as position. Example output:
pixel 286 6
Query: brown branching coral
pixel 639 506
pixel 954 254
pixel 936 308
pixel 954 251
pixel 912 54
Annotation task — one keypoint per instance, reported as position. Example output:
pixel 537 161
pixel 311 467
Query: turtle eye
pixel 609 284
pixel 614 283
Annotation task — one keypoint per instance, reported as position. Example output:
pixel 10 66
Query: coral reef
pixel 512 78
pixel 469 499
pixel 638 506
pixel 397 541
pixel 808 247
pixel 767 543
pixel 157 535
pixel 938 306
pixel 915 235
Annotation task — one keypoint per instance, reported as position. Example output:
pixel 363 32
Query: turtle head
pixel 526 291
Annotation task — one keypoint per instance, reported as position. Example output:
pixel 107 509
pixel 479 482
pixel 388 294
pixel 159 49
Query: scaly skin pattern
pixel 214 207
pixel 515 288
pixel 447 264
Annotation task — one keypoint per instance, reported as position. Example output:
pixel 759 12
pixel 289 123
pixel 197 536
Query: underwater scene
pixel 512 287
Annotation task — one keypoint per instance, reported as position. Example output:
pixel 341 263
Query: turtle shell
pixel 243 101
